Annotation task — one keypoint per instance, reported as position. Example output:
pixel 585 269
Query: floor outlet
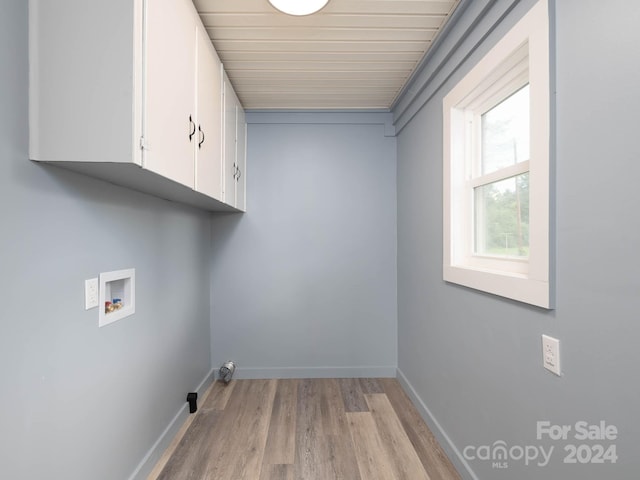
pixel 90 293
pixel 551 354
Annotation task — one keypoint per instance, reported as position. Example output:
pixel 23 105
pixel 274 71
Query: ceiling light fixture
pixel 299 7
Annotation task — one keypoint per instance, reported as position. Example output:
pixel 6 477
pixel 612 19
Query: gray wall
pixel 77 401
pixel 304 283
pixel 474 360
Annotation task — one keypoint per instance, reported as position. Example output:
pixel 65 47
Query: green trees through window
pixel 502 217
pixel 502 207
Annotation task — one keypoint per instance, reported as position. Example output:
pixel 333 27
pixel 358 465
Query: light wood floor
pixel 319 429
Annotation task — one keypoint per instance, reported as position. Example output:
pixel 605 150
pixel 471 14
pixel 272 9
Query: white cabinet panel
pixel 169 122
pixel 241 158
pixel 234 148
pixel 85 79
pixel 208 148
pixel 229 143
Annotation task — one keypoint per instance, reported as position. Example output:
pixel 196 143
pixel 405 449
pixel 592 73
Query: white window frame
pixel 520 57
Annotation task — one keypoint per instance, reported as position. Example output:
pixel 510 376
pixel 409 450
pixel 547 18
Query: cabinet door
pixel 241 157
pixel 230 166
pixel 169 120
pixel 208 178
pixel 84 90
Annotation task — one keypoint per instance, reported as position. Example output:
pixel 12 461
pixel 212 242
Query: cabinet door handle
pixel 239 174
pixel 235 171
pixel 201 137
pixel 194 128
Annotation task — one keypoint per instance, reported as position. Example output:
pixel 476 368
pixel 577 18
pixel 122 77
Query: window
pixel 496 168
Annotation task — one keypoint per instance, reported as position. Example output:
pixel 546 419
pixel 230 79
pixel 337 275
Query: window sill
pixel 514 286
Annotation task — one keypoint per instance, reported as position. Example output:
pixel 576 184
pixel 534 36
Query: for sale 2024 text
pixel 582 431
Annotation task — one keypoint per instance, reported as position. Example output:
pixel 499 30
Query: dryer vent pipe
pixel 226 371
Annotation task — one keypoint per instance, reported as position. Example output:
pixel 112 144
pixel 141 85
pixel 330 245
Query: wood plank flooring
pixel 310 429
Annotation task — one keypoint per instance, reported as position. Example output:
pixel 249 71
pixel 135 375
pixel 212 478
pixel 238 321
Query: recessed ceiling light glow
pixel 299 7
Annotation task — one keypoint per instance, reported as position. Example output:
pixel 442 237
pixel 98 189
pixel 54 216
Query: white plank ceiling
pixel 353 54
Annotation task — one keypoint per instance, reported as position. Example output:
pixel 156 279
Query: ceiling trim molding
pixel 467 32
pixel 444 33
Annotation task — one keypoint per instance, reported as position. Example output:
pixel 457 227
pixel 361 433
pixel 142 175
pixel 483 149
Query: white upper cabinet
pixel 169 126
pixel 85 81
pixel 241 158
pixel 208 148
pixel 230 166
pixel 129 91
pixel 235 133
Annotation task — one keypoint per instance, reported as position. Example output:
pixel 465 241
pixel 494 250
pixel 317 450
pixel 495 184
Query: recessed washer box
pixel 117 296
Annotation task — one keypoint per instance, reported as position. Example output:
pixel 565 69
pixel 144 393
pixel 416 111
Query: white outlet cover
pixel 91 296
pixel 551 354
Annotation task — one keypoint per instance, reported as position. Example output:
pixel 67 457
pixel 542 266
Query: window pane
pixel 502 217
pixel 505 132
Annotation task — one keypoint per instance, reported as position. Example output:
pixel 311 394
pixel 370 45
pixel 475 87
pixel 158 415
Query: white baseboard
pixel 315 372
pixel 458 460
pixel 153 455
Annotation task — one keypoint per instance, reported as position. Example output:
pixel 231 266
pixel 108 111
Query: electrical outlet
pixel 90 293
pixel 551 354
